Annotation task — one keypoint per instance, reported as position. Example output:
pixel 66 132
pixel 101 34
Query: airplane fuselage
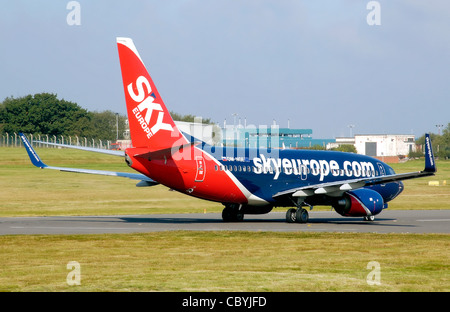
pixel 252 177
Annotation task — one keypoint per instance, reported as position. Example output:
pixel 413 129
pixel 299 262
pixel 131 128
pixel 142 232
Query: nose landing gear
pixel 369 218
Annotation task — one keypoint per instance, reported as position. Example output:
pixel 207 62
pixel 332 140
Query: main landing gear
pixel 299 215
pixel 232 213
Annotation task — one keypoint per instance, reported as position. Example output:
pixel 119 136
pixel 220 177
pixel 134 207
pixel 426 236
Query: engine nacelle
pixel 359 203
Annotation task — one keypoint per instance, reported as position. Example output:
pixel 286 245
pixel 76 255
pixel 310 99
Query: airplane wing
pixel 338 187
pixel 36 161
pixel 89 149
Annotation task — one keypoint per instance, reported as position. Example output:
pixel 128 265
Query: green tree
pixel 445 142
pixel 349 148
pixel 42 113
pixel 440 144
pixel 106 125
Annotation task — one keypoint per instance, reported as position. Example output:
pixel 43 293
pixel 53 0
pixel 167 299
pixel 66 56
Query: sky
pixel 316 65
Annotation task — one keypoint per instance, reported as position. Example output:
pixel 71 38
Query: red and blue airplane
pixel 244 180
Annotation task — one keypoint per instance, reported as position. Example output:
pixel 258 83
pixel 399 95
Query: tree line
pixel 44 113
pixel 440 144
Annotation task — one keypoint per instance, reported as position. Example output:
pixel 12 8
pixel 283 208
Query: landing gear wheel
pixel 227 215
pixel 239 217
pixel 302 215
pixel 369 218
pixel 230 214
pixel 297 215
pixel 291 215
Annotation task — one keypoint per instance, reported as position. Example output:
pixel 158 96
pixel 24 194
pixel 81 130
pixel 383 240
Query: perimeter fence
pixel 13 140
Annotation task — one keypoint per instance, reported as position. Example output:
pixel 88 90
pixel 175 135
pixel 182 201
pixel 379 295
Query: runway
pixel 395 221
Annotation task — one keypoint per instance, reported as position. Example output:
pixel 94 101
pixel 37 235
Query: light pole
pixel 234 117
pixel 117 127
pixel 351 127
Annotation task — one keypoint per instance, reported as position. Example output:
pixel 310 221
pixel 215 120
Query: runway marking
pixel 70 228
pixel 183 229
pixel 434 220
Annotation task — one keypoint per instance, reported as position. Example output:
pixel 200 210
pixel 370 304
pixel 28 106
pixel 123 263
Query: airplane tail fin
pixel 151 125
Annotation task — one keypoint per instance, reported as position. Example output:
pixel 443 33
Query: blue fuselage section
pixel 266 172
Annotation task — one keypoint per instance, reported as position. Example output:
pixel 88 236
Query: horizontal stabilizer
pixel 36 161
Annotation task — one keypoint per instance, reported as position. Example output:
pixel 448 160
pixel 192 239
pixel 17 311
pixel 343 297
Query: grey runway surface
pixel 395 221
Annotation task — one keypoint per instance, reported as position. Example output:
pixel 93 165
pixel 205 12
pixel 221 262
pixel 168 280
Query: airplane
pixel 244 180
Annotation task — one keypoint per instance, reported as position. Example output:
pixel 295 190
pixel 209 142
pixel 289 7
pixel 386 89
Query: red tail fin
pixel 150 122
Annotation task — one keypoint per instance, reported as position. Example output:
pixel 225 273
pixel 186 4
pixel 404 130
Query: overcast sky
pixel 317 63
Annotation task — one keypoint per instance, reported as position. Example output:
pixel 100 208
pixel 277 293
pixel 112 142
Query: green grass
pixel 418 194
pixel 199 261
pixel 226 261
pixel 28 191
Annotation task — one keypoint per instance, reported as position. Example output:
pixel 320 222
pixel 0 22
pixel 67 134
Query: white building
pixel 385 145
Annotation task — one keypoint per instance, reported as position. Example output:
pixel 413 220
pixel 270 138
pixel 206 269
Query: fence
pixel 13 140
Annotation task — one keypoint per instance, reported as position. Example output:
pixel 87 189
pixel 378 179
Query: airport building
pixel 385 144
pixel 387 147
pixel 251 136
pixel 271 137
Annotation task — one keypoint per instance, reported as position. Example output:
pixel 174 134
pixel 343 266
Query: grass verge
pixel 28 191
pixel 199 261
pixel 226 261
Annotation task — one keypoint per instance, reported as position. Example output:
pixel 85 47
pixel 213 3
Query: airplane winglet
pixel 430 164
pixel 35 160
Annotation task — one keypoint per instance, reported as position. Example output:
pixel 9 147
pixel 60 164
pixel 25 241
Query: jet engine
pixel 359 203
